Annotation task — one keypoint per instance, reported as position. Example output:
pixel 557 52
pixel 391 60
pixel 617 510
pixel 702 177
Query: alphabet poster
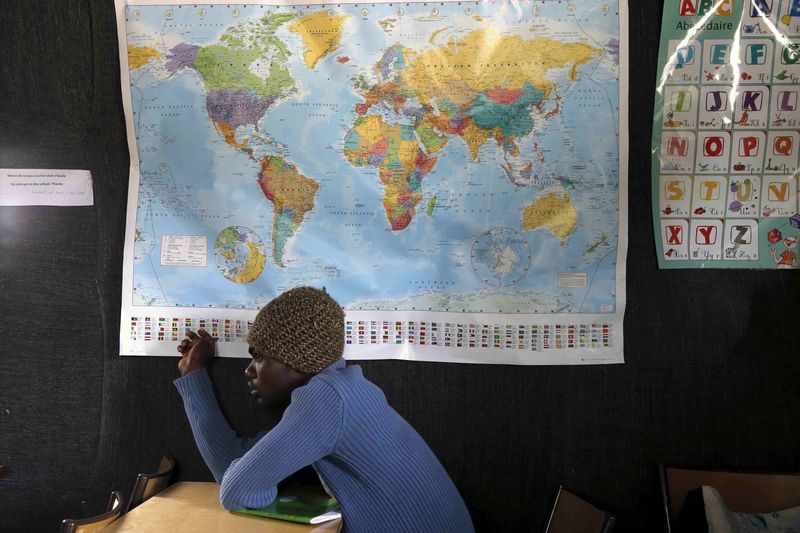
pixel 726 135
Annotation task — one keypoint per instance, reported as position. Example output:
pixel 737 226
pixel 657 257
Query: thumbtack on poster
pixel 26 186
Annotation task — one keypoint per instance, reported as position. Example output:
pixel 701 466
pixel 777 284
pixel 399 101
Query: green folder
pixel 306 504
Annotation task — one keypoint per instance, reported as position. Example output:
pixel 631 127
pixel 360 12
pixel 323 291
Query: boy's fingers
pixel 206 336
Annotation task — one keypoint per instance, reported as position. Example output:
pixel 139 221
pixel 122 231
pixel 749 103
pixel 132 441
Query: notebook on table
pixel 306 504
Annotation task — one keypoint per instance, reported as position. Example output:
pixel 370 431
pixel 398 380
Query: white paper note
pixel 26 186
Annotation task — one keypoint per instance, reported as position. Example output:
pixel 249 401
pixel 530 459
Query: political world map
pixel 448 156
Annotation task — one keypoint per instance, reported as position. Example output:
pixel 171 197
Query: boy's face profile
pixel 271 381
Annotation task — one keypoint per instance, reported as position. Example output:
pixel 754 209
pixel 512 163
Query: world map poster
pixel 454 174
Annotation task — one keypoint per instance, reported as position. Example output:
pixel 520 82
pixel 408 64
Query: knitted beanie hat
pixel 302 328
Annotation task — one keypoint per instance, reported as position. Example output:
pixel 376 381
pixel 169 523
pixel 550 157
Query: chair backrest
pixel 742 492
pixel 95 523
pixel 148 485
pixel 572 514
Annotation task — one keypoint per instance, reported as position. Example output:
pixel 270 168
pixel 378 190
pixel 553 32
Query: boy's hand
pixel 196 351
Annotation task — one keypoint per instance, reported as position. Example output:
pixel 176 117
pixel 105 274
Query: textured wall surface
pixel 711 379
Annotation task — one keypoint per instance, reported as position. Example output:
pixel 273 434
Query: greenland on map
pixel 448 171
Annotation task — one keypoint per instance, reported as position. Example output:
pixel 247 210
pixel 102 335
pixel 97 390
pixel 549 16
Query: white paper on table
pixel 33 186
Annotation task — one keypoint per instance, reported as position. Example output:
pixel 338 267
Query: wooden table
pixel 193 507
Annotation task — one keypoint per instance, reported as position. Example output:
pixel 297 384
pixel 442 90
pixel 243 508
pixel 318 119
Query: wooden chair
pixel 742 492
pixel 148 485
pixel 573 514
pixel 95 523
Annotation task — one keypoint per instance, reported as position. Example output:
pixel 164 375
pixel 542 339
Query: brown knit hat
pixel 302 328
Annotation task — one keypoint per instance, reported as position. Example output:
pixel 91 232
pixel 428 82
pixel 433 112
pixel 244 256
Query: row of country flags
pixel 164 329
pixel 533 337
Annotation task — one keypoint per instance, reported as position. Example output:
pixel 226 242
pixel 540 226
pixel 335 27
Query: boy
pixel 379 469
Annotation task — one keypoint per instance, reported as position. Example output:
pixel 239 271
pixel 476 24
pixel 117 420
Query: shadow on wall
pixel 763 382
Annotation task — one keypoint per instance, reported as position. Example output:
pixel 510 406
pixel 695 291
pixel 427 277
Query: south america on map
pixel 454 156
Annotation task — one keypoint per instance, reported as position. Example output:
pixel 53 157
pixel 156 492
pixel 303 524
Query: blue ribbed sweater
pixel 383 474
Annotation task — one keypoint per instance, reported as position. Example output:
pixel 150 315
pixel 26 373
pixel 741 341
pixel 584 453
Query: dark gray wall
pixel 711 378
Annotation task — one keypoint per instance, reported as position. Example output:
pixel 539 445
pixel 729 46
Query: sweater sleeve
pixel 218 443
pixel 308 431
